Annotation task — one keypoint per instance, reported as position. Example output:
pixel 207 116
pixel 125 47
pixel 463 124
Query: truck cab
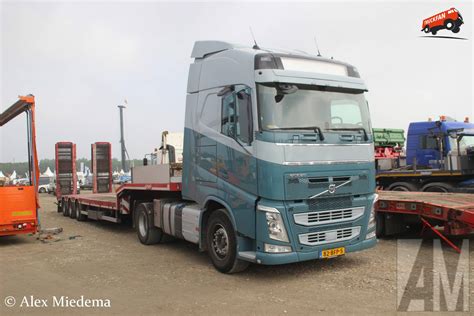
pixel 445 144
pixel 280 143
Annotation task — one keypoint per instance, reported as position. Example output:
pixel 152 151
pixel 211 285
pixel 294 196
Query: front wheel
pixel 222 244
pixel 426 29
pixel 147 233
pixel 449 24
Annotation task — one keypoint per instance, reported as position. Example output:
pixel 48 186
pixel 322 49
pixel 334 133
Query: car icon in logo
pixel 450 19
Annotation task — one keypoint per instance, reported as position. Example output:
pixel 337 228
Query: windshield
pixel 287 106
pixel 465 142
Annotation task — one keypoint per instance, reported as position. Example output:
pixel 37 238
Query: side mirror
pixel 232 131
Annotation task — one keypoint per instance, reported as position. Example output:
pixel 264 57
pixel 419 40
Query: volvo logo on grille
pixel 332 188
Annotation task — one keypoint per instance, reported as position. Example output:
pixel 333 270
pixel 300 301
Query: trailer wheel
pixel 79 216
pixel 72 209
pixel 222 244
pixel 65 207
pixel 147 233
pixel 402 186
pixel 438 187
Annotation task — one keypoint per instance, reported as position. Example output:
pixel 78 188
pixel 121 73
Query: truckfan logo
pixel 450 19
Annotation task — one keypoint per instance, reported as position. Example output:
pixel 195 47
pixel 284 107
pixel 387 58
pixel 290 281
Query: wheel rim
pixel 449 25
pixel 220 242
pixel 142 224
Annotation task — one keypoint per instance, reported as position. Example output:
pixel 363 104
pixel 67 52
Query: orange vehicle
pixel 450 19
pixel 19 203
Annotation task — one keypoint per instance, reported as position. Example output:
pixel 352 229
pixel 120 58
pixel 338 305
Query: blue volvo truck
pixel 278 163
pixel 439 158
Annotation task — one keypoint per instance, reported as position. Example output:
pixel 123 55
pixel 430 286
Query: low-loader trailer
pixel 278 163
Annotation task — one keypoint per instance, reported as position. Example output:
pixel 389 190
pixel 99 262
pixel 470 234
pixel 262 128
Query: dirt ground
pixel 106 261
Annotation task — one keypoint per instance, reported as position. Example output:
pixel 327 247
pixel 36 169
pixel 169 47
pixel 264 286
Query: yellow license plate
pixel 329 253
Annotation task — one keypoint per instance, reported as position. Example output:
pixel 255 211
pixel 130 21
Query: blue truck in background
pixel 439 158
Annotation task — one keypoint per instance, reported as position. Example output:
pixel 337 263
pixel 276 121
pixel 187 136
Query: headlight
pixel 372 214
pixel 276 227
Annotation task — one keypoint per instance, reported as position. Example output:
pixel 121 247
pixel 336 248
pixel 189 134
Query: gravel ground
pixel 106 261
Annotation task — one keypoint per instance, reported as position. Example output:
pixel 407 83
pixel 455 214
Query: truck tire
pixel 65 207
pixel 456 29
pixel 438 187
pixel 426 29
pixel 434 32
pixel 79 216
pixel 403 186
pixel 449 24
pixel 222 244
pixel 42 190
pixel 147 233
pixel 72 209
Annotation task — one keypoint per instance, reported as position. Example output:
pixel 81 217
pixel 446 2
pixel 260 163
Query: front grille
pixel 331 203
pixel 329 236
pixel 328 217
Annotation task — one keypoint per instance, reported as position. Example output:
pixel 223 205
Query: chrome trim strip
pixel 330 236
pixel 303 218
pixel 316 145
pixel 325 162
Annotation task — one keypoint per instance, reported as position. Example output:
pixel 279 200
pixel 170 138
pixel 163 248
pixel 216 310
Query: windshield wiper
pixel 316 129
pixel 366 137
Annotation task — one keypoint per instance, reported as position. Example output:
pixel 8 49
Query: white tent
pixel 48 173
pixel 13 175
pixel 1 174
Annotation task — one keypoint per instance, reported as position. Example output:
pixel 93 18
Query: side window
pixel 428 142
pixel 236 115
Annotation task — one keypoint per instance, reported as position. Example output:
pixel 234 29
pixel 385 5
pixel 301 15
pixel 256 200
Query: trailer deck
pixel 454 210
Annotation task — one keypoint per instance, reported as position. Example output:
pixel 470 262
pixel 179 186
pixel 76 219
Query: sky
pixel 82 59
